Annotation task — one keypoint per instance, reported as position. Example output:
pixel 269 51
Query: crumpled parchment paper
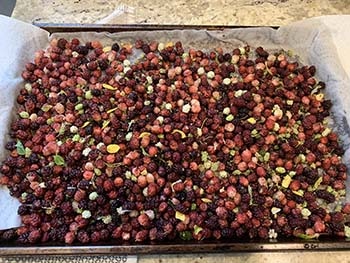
pixel 323 42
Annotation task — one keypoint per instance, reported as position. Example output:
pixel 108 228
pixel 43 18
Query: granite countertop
pixel 215 12
pixel 196 12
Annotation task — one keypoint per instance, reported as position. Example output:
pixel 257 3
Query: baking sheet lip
pixel 74 27
pixel 173 248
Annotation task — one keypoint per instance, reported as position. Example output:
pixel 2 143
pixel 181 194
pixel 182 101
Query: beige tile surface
pixel 216 12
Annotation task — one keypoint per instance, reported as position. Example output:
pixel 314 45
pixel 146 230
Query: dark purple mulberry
pixel 83 237
pixel 9 234
pixel 212 222
pixel 325 195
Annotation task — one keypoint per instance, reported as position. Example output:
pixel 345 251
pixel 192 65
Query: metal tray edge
pixel 214 247
pixel 71 27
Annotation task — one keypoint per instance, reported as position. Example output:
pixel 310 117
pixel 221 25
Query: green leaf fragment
pixel 105 123
pixel 20 148
pixel 76 138
pixel 207 164
pixel 252 120
pixel 223 174
pixel 62 129
pixel 300 192
pixel 180 216
pixel 204 156
pixel 24 115
pixel 27 152
pixel 109 87
pixel 85 124
pixel 286 181
pixel 91 142
pixel 206 200
pixel 186 235
pixel 46 107
pixel 259 156
pixel 107 219
pixel 79 106
pixel 308 237
pixel 183 135
pixel 88 95
pixel 97 171
pixel 111 110
pixel 317 183
pixel 144 134
pixel 331 190
pixel 144 152
pixel 193 206
pixel 266 157
pixel 58 160
pixel 326 132
pixel 236 172
pixel 292 173
pixel 305 212
pixel 215 166
pixel 197 229
pixel 229 117
pixel 347 231
pixel 255 134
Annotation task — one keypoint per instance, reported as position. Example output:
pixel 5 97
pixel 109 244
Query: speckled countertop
pixel 195 12
pixel 217 12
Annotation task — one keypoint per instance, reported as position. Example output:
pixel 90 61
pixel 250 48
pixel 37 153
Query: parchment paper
pixel 323 42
